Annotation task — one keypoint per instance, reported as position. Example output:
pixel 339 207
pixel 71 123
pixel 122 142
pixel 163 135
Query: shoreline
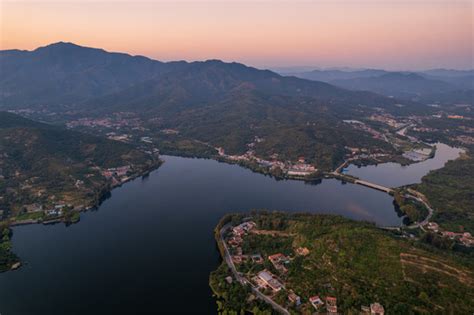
pixel 103 196
pixel 62 219
pixel 313 178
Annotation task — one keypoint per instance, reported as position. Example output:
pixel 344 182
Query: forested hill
pixel 45 165
pixel 66 75
pixel 207 83
pixel 355 262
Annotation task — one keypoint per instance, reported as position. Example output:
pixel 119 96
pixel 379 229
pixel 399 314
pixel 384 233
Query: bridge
pixel 355 180
pixel 413 194
pixel 374 186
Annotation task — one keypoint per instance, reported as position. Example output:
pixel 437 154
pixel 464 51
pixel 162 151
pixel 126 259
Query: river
pixel 150 247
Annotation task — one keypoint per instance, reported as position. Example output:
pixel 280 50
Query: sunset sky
pixel 400 34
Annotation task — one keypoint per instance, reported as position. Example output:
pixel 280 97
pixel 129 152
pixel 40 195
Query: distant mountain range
pixel 432 86
pixel 65 74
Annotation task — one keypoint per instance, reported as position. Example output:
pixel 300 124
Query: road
pixel 242 280
pixel 428 217
pixel 389 191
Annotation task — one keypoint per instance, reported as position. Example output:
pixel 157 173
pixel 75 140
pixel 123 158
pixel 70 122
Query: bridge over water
pixel 374 186
pixel 337 172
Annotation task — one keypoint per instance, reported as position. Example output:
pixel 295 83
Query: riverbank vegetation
pixel 7 257
pixel 357 263
pixel 450 190
pixel 412 210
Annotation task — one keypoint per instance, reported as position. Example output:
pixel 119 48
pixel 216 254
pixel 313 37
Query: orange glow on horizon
pixel 384 34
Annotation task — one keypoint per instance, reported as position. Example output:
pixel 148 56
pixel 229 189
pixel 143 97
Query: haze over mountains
pixel 67 74
pixel 432 86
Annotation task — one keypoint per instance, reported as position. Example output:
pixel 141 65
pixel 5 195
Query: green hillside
pixel 42 166
pixel 450 190
pixel 355 262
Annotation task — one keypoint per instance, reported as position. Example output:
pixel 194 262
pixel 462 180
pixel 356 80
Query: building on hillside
pixel 302 251
pixel 331 305
pixel 269 279
pixel 376 309
pixel 241 229
pixel 278 261
pixel 293 298
pixel 257 258
pixel 451 235
pixel 467 239
pixel 316 301
pixel 433 226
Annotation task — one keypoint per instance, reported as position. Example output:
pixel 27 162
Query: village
pixel 298 169
pixel 271 283
pixel 464 238
pixel 51 210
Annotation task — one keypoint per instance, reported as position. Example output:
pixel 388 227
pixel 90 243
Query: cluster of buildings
pixel 373 309
pixel 387 119
pixel 299 169
pixel 117 174
pixel 331 303
pixel 268 281
pixel 115 121
pixel 235 241
pixel 464 238
pixel 363 153
pixel 101 122
pixel 56 210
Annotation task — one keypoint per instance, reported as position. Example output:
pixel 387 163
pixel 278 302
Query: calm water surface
pixel 394 175
pixel 150 247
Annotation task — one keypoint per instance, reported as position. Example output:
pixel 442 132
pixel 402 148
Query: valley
pixel 77 123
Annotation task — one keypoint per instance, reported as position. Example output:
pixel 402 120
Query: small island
pixel 304 263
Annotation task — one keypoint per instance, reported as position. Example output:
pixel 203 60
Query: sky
pixel 389 34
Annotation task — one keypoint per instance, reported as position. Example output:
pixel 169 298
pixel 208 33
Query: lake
pixel 395 175
pixel 150 247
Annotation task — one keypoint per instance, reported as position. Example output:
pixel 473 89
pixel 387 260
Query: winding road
pixel 242 280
